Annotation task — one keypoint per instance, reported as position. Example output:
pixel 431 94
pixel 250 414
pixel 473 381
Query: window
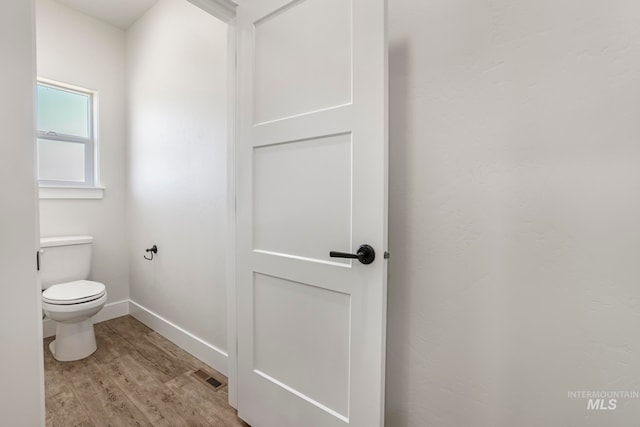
pixel 66 138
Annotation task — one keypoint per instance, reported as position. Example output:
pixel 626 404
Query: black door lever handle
pixel 365 254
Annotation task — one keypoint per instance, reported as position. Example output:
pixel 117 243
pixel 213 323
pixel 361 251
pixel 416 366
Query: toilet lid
pixel 73 292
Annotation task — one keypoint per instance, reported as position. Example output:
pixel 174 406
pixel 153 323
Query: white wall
pixel 77 49
pixel 21 370
pixel 514 200
pixel 176 59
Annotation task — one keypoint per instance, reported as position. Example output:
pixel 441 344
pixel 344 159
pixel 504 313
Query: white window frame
pixel 67 189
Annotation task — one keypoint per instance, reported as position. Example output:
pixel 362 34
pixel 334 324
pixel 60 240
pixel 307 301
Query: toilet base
pixel 74 341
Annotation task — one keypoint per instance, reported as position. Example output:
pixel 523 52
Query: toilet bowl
pixel 71 305
pixel 67 297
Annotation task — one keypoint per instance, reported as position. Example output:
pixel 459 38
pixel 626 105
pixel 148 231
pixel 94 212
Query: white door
pixel 312 178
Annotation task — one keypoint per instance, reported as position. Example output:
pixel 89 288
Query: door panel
pixel 318 341
pixel 312 178
pixel 313 193
pixel 295 44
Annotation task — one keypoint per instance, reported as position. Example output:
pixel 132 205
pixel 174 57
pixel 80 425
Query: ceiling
pixel 120 13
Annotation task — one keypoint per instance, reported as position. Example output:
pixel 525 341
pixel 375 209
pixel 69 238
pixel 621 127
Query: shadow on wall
pixel 400 263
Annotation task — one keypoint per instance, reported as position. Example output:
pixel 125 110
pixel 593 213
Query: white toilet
pixel 67 298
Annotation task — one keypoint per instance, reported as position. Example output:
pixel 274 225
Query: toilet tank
pixel 64 259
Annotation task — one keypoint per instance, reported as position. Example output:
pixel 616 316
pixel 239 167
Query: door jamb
pixel 225 10
pixel 231 265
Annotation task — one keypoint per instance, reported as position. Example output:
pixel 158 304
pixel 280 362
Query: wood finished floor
pixel 135 378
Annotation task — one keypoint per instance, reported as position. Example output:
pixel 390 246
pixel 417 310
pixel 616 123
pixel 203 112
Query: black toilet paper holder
pixel 153 250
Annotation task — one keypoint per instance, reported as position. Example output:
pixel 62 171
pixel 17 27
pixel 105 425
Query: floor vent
pixel 214 382
pixel 205 377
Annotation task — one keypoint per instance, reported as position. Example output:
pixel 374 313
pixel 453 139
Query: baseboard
pixel 204 351
pixel 108 312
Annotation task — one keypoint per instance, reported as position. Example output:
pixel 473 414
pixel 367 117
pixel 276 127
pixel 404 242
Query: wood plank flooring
pixel 135 378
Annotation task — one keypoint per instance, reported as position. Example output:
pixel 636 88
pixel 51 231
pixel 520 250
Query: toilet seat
pixel 77 292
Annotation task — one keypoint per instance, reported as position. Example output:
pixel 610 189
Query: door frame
pixel 231 265
pixel 225 10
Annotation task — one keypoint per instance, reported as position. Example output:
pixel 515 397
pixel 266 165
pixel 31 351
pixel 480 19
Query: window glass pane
pixel 63 112
pixel 60 161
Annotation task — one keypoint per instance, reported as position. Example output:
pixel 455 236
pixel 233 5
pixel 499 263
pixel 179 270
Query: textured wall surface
pixel 514 206
pixel 176 61
pixel 76 49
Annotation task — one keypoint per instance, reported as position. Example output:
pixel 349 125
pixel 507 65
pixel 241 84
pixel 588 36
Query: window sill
pixel 50 192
